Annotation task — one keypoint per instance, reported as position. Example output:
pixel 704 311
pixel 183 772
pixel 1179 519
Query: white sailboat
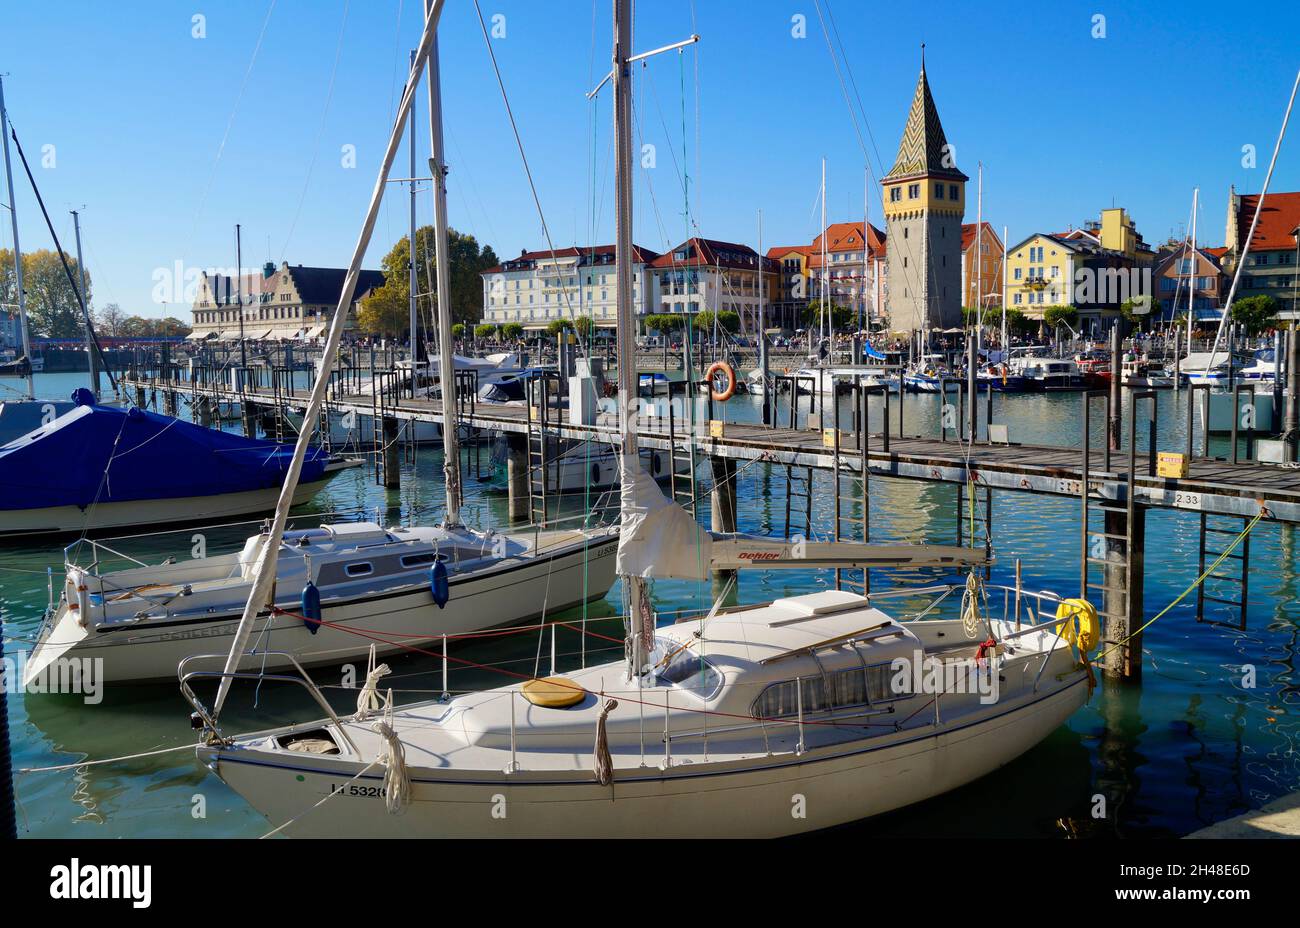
pixel 706 728
pixel 403 587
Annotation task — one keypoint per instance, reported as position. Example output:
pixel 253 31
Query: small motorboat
pixel 999 378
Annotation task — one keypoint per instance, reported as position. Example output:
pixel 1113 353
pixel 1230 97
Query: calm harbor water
pixel 1192 745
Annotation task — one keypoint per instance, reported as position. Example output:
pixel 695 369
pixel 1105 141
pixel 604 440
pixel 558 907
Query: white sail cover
pixel 657 538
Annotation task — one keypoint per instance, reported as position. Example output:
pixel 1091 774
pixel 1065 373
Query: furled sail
pixel 658 538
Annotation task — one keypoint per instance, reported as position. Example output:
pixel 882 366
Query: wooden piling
pixel 391 472
pixel 517 478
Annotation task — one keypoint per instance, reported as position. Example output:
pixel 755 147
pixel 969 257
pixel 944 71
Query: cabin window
pixel 417 560
pixel 359 569
pixel 843 689
pixel 687 670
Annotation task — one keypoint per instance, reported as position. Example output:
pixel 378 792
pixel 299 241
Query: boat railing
pixel 1016 600
pixel 209 721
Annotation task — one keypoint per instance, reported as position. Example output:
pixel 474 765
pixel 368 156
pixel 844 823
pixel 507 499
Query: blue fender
pixel 439 585
pixel 311 607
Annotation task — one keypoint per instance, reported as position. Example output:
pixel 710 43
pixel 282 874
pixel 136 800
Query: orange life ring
pixel 721 367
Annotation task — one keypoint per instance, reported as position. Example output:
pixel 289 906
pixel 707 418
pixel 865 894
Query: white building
pixel 707 275
pixel 541 287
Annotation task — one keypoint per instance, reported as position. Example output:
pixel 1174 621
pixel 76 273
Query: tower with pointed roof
pixel 925 200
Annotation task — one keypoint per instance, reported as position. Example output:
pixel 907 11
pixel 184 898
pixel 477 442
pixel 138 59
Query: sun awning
pixel 195 336
pixel 231 336
pixel 264 336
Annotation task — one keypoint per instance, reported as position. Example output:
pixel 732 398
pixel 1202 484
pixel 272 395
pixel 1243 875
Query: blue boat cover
pixel 871 352
pixel 105 454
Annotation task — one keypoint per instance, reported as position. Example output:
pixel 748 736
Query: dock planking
pixel 1214 486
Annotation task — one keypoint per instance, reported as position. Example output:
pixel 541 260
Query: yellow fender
pixel 1084 632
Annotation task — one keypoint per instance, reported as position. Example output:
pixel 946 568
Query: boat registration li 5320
pixel 801 714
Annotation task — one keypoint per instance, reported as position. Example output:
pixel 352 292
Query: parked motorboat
pixel 99 468
pixel 1048 374
pixel 1139 373
pixel 370 584
pixel 583 467
pixel 930 374
pixel 1204 368
pixel 832 381
pixel 1262 370
pixel 999 378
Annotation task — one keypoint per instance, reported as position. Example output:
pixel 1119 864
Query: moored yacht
pixel 824 696
pixel 142 620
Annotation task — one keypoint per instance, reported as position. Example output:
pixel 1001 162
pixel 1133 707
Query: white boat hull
pixel 514 591
pixel 782 794
pixel 63 520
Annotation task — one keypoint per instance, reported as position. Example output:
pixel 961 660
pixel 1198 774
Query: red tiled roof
pixel 780 251
pixel 708 252
pixel 968 234
pixel 640 255
pixel 847 236
pixel 1277 221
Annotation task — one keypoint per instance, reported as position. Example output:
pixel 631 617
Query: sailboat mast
pixel 239 298
pixel 979 261
pixel 442 262
pixel 23 327
pixel 863 316
pixel 1006 348
pixel 91 359
pixel 264 571
pixel 412 279
pixel 1191 303
pixel 824 290
pixel 763 361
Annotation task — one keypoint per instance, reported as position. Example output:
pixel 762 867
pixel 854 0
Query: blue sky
pixel 156 141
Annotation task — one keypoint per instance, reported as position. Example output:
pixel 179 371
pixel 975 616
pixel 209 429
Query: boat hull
pixel 512 592
pixel 781 794
pixel 113 516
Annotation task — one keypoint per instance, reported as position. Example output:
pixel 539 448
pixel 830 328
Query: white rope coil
pixel 369 700
pixel 397 781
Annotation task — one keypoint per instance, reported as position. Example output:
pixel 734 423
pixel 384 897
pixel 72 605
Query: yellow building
pixel 1094 269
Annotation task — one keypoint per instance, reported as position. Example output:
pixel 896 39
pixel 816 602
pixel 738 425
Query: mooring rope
pixel 1195 583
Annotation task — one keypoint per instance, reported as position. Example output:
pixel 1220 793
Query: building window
pixel 895 194
pixel 952 191
pixel 913 191
pixel 938 191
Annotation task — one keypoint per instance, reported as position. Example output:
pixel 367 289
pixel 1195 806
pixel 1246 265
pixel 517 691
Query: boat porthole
pixel 595 474
pixel 657 464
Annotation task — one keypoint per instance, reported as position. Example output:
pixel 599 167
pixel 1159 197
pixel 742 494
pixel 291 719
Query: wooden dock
pixel 1213 486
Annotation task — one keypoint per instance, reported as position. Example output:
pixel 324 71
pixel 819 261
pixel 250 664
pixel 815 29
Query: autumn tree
pixel 52 306
pixel 390 304
pixel 108 321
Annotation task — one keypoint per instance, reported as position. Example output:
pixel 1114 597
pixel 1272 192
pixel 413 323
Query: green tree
pixel 52 305
pixel 485 330
pixel 664 322
pixel 385 311
pixel 841 316
pixel 727 320
pixel 583 325
pixel 1056 315
pixel 512 331
pixel 556 326
pixel 1256 313
pixel 467 262
pixel 458 330
pixel 1139 309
